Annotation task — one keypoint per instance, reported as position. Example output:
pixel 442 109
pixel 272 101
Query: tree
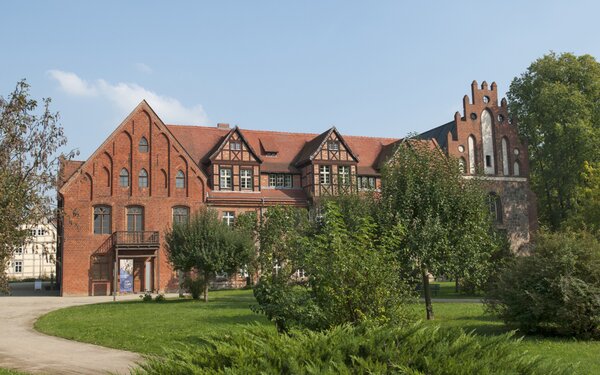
pixel 556 103
pixel 350 277
pixel 206 245
pixel 29 141
pixel 448 228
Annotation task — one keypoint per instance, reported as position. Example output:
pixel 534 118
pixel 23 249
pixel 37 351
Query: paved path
pixel 23 348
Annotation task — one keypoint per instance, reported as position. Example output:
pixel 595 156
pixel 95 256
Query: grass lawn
pixel 448 290
pixel 151 327
pixel 4 371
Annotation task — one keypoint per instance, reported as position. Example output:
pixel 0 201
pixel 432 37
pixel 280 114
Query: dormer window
pixel 271 154
pixel 235 145
pixel 333 146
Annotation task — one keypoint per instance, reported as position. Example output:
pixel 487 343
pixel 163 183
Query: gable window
pixel 143 179
pixel 229 217
pixel 143 145
pixel 124 178
pixel 235 145
pixel 366 182
pixel 333 145
pixel 225 178
pixel 102 220
pixel 344 175
pixel 180 180
pixel 495 206
pixel 246 179
pixel 135 219
pixel 325 174
pixel 181 215
pixel 18 266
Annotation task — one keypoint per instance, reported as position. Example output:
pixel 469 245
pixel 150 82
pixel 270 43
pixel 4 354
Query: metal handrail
pixel 135 238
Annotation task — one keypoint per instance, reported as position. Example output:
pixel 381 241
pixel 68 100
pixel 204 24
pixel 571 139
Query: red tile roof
pixel 201 141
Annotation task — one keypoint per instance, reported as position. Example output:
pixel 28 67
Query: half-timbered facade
pixel 147 174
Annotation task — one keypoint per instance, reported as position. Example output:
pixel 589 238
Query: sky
pixel 374 68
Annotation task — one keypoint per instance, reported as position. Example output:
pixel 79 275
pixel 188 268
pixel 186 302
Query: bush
pixel 555 290
pixel 194 286
pixel 146 297
pixel 361 349
pixel 160 298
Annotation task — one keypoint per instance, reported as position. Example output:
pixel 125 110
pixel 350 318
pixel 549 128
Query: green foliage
pixel 557 105
pixel 146 297
pixel 351 278
pixel 207 245
pixel 556 289
pixel 28 144
pixel 362 349
pixel 160 298
pixel 194 285
pixel 446 221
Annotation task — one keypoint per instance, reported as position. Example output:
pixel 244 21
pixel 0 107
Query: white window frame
pixel 246 179
pixel 235 145
pixel 333 145
pixel 228 217
pixel 225 179
pixel 325 174
pixel 18 266
pixel 344 175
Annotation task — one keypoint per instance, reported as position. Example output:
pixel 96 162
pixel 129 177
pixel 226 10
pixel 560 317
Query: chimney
pixel 222 125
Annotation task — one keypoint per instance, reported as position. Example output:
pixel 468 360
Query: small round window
pixel 461 148
pixel 486 99
pixel 473 116
pixel 516 151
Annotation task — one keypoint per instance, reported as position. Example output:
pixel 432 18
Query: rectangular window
pixel 101 268
pixel 246 179
pixel 488 161
pixel 235 145
pixel 366 183
pixel 333 145
pixel 19 251
pixel 280 180
pixel 225 178
pixel 102 220
pixel 181 215
pixel 288 180
pixel 18 266
pixel 325 174
pixel 272 180
pixel 135 219
pixel 344 175
pixel 229 217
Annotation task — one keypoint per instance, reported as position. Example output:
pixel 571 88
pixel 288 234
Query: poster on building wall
pixel 126 275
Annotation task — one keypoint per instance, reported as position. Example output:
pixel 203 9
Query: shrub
pixel 361 349
pixel 146 297
pixel 160 298
pixel 555 290
pixel 194 286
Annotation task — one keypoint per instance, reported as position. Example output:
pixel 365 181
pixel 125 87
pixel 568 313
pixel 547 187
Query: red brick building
pixel 146 174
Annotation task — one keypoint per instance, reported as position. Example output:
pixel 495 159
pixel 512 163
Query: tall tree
pixel 206 245
pixel 556 103
pixel 446 221
pixel 29 141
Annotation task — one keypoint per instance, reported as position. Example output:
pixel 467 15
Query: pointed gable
pixel 234 147
pixel 329 146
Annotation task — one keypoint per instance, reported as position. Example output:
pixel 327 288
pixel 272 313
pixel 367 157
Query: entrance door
pixel 148 276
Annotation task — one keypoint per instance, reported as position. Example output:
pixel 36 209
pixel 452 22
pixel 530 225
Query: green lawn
pixel 448 290
pixel 4 371
pixel 152 327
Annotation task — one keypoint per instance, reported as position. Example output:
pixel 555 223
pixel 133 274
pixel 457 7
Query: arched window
pixel 181 215
pixel 180 180
pixel 505 156
pixel 517 168
pixel 462 165
pixel 124 178
pixel 143 146
pixel 495 205
pixel 165 179
pixel 102 220
pixel 135 219
pixel 106 173
pixel 143 179
pixel 488 142
pixel 471 154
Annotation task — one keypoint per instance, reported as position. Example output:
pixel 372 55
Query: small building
pixel 36 257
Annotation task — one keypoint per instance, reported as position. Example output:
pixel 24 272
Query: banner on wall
pixel 126 275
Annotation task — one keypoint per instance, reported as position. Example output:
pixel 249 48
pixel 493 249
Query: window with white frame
pixel 300 274
pixel 366 182
pixel 333 145
pixel 229 217
pixel 225 178
pixel 325 174
pixel 18 266
pixel 280 180
pixel 19 250
pixel 235 145
pixel 344 175
pixel 246 179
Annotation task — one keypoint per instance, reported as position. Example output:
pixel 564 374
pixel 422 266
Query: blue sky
pixel 381 68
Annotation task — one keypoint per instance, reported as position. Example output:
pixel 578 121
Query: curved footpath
pixel 23 348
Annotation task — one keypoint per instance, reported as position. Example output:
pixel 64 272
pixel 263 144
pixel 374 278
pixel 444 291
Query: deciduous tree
pixel 29 140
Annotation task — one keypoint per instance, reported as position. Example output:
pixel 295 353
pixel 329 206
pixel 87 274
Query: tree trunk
pixel 180 282
pixel 206 282
pixel 427 295
pixel 456 287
